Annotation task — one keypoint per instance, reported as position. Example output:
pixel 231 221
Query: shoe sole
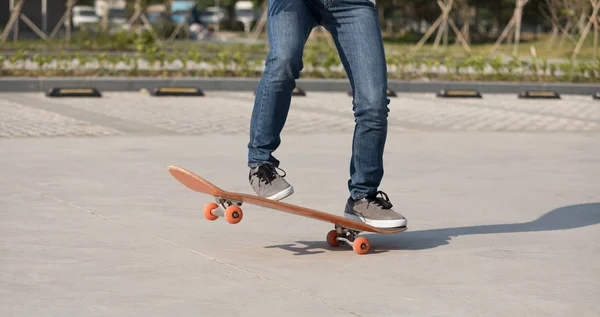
pixel 282 194
pixel 383 224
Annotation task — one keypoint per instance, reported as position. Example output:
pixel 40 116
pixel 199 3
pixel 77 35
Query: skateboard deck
pixel 228 205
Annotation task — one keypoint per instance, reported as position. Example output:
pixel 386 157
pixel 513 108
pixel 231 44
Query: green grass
pixel 320 59
pixel 128 42
pixel 541 45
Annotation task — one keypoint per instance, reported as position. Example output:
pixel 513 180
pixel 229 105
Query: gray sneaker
pixel 267 183
pixel 375 211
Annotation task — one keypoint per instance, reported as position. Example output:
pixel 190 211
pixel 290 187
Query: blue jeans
pixel 355 30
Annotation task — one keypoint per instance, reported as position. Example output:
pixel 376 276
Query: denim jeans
pixel 355 30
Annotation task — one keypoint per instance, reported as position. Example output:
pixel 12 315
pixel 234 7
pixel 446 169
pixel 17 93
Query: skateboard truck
pixel 360 245
pixel 224 208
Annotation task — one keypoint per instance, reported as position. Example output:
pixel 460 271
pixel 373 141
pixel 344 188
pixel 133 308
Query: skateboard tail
pixel 193 182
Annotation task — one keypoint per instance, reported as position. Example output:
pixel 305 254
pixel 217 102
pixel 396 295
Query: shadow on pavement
pixel 564 218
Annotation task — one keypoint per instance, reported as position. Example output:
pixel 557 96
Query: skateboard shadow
pixel 316 247
pixel 564 218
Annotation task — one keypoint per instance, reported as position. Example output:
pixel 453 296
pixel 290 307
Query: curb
pixel 122 84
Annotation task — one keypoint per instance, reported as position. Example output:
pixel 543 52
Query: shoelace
pixel 267 173
pixel 383 201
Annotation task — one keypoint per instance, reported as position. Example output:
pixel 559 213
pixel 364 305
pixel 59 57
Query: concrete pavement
pixel 501 196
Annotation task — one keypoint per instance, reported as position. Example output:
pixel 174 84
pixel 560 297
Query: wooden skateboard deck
pixel 228 206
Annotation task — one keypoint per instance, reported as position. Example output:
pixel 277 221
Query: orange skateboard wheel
pixel 331 235
pixel 361 245
pixel 233 214
pixel 208 211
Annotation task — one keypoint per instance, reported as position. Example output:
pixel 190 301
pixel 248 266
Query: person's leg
pixel 289 23
pixel 355 28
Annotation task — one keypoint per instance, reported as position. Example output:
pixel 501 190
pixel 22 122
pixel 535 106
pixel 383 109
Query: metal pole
pixel 45 16
pixel 218 27
pixel 15 28
pixel 68 25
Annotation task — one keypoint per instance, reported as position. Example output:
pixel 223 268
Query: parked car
pixel 84 16
pixel 156 14
pixel 213 16
pixel 245 13
pixel 181 10
pixel 117 16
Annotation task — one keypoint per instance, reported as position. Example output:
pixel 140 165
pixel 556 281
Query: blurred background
pixel 526 40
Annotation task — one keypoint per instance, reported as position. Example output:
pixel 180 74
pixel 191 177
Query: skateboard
pixel 228 205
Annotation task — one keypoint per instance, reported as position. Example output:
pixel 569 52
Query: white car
pixel 84 16
pixel 213 15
